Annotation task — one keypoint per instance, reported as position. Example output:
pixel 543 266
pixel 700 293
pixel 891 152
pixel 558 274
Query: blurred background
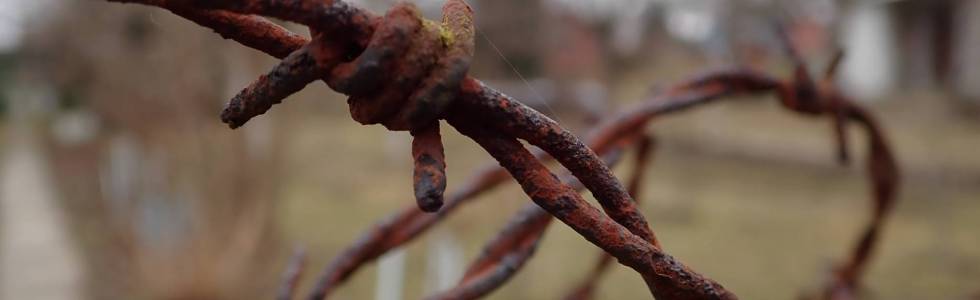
pixel 117 180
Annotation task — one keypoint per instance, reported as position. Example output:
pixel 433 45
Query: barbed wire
pixel 407 73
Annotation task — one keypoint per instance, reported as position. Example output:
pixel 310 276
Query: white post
pixel 391 276
pixel 445 262
pixel 869 71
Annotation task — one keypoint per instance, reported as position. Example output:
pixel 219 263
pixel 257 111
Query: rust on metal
pixel 430 167
pixel 437 91
pixel 288 77
pixel 250 31
pixel 400 228
pixel 586 289
pixel 669 279
pixel 327 16
pixel 507 254
pixel 407 73
pixel 503 256
pixel 366 73
pixel 407 224
pixel 521 121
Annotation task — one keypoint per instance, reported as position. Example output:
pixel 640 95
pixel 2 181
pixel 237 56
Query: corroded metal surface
pixel 506 254
pixel 430 167
pixel 669 279
pixel 586 289
pixel 407 73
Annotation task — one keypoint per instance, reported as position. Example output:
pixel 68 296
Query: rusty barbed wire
pixel 404 226
pixel 406 73
pixel 800 94
pixel 342 30
pixel 586 289
pixel 506 254
pixel 732 82
pixel 825 99
pixel 343 20
pixel 408 223
pixel 672 280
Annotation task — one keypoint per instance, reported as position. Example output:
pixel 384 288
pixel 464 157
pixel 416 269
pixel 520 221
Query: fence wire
pixel 408 73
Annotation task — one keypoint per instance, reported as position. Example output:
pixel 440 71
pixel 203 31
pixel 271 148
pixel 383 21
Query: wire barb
pixel 430 167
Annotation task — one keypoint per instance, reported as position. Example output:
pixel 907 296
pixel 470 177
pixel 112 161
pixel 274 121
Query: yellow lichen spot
pixel 446 35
